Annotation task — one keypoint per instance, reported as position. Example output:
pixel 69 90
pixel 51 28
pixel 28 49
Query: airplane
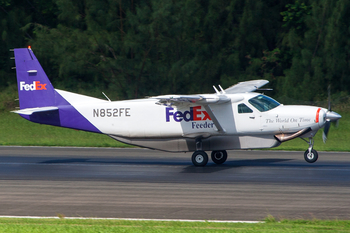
pixel 230 119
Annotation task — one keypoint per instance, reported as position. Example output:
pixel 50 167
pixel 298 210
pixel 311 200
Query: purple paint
pixel 30 78
pixel 36 90
pixel 195 114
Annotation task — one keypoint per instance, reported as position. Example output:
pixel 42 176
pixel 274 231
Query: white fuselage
pixel 232 118
pixel 134 121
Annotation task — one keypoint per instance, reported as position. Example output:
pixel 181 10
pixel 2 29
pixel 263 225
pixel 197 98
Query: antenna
pixel 106 96
pixel 216 90
pixel 222 90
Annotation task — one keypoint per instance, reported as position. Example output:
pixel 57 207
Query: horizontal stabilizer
pixel 30 111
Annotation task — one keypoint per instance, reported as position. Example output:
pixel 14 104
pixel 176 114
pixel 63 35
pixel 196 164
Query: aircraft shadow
pixel 212 167
pixel 281 163
pixel 115 162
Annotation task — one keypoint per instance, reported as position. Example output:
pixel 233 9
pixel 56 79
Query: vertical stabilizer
pixel 40 102
pixel 34 87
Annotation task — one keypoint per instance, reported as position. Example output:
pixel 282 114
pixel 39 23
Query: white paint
pixel 133 219
pixel 181 117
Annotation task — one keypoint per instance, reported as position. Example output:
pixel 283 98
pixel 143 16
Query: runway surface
pixel 141 183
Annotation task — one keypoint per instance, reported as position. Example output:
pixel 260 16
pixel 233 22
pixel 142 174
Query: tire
pixel 199 158
pixel 219 156
pixel 311 157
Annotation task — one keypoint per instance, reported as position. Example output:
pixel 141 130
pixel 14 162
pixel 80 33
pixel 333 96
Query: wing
pixel 218 98
pixel 206 99
pixel 169 100
pixel 177 99
pixel 248 86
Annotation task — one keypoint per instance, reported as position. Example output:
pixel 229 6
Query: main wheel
pixel 311 157
pixel 219 156
pixel 199 158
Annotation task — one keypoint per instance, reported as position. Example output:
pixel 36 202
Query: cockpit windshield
pixel 263 103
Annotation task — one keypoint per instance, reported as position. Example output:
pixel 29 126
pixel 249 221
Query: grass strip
pixel 90 225
pixel 14 130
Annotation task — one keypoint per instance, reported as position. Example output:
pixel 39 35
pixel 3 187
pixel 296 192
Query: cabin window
pixel 263 103
pixel 242 108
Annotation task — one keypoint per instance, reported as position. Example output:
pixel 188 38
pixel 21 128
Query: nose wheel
pixel 310 154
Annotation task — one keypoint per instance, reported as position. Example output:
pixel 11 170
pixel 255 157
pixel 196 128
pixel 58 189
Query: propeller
pixel 330 117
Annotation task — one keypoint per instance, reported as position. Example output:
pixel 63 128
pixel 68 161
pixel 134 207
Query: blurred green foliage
pixel 136 48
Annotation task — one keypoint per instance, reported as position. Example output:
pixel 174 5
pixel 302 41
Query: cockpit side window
pixel 242 108
pixel 263 103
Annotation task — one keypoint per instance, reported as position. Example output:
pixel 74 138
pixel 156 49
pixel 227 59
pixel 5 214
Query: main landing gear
pixel 200 158
pixel 219 156
pixel 310 154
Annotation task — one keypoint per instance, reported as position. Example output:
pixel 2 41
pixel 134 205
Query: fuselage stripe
pixel 318 115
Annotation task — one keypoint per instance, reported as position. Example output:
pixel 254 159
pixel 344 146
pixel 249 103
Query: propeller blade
pixel 329 98
pixel 330 117
pixel 325 131
pixel 337 124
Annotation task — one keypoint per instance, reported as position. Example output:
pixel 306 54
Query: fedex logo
pixel 36 85
pixel 195 114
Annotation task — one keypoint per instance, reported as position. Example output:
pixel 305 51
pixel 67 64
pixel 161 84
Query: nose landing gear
pixel 310 154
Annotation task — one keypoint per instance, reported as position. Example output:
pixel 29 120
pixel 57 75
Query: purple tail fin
pixel 39 101
pixel 34 87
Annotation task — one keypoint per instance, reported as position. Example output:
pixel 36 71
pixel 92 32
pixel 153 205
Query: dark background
pixel 137 48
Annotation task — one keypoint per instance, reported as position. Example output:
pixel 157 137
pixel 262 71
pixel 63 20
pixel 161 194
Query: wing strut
pixel 213 118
